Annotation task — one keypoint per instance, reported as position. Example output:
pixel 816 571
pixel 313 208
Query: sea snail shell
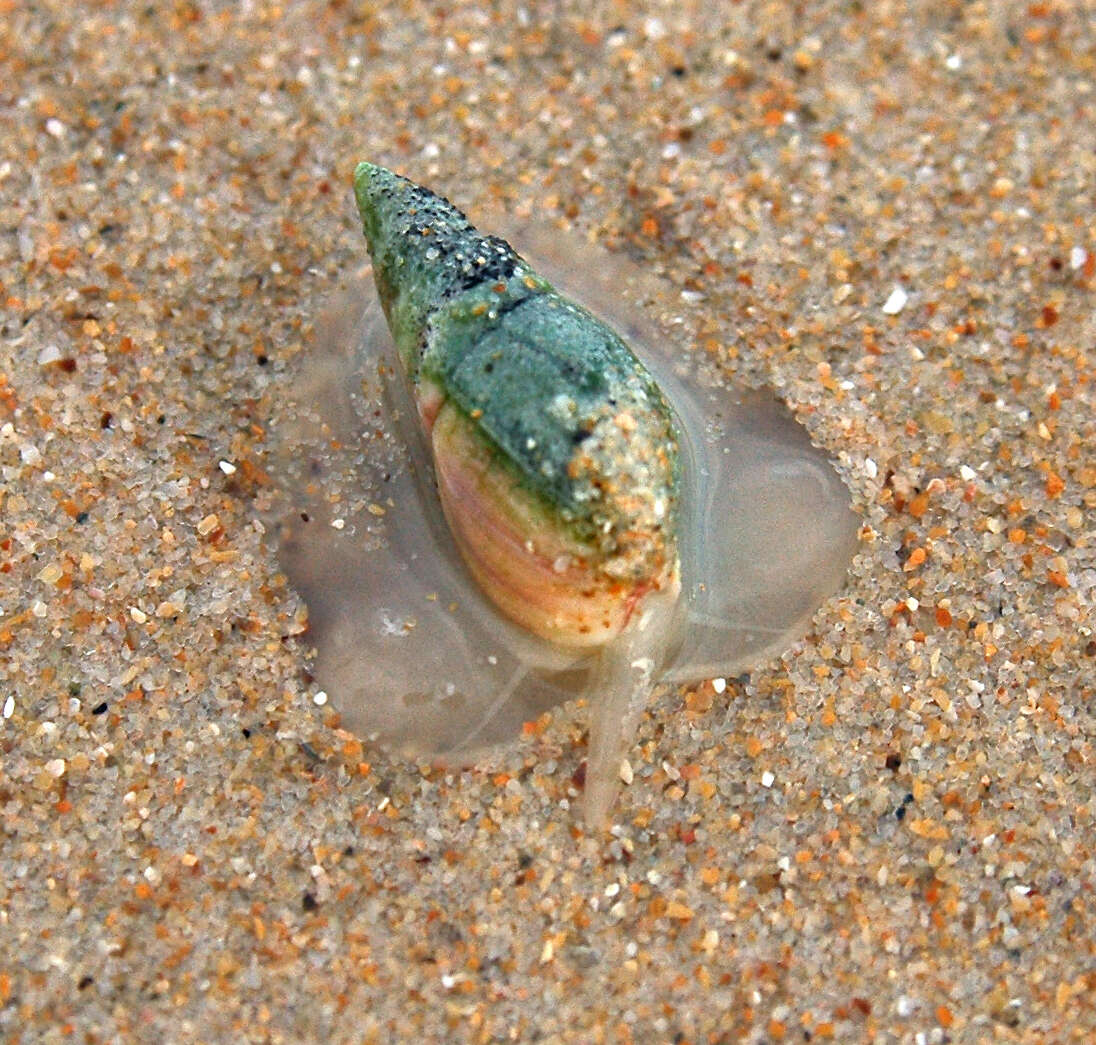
pixel 566 514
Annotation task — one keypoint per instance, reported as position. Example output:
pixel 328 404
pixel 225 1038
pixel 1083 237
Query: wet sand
pixel 884 211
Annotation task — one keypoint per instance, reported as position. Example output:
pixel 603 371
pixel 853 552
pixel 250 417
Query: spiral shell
pixel 545 512
pixel 555 451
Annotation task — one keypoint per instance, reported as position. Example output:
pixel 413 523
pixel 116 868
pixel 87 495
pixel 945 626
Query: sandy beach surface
pixel 886 211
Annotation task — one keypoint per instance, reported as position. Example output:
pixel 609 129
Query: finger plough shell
pixel 551 511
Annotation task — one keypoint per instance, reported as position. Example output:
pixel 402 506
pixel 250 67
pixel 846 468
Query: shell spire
pixel 555 451
pixel 425 252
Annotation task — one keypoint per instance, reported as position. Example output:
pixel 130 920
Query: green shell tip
pixel 370 182
pixel 364 171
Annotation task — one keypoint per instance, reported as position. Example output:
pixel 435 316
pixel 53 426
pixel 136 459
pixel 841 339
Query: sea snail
pixel 561 513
